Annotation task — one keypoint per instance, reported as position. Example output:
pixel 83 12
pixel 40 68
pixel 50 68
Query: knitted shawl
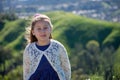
pixel 56 54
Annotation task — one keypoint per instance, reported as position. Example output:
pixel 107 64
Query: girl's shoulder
pixel 29 45
pixel 57 43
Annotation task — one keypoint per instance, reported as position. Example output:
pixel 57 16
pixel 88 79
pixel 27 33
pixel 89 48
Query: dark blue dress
pixel 44 70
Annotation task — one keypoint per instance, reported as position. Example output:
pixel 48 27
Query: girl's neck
pixel 43 43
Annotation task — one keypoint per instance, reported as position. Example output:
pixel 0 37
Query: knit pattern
pixel 56 54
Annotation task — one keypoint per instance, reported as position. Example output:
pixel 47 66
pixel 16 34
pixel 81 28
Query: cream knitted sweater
pixel 56 55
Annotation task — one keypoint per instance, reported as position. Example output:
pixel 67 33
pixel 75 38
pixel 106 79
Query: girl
pixel 44 58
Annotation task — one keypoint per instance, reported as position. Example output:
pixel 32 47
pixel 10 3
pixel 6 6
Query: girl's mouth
pixel 43 35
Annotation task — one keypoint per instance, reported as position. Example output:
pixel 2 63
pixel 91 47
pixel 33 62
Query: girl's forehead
pixel 42 23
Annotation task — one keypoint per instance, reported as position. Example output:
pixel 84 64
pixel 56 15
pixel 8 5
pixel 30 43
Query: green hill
pixel 74 31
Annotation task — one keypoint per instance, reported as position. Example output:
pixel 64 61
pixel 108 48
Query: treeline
pixel 93 46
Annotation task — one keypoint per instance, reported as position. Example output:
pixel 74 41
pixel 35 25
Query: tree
pixel 4 55
pixel 94 56
pixel 116 66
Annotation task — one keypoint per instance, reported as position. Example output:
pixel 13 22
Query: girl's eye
pixel 46 28
pixel 39 28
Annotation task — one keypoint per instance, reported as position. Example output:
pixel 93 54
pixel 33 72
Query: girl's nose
pixel 42 30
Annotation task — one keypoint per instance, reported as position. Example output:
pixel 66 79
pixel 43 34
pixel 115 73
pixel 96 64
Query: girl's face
pixel 41 31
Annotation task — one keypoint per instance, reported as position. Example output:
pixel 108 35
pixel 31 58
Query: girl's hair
pixel 37 17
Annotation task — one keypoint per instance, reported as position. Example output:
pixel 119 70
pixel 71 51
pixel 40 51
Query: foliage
pixel 15 73
pixel 116 67
pixel 6 55
pixel 96 77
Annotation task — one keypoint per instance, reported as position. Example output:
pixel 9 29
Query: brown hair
pixel 37 17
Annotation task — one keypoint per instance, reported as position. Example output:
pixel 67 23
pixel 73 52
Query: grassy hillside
pixel 74 31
